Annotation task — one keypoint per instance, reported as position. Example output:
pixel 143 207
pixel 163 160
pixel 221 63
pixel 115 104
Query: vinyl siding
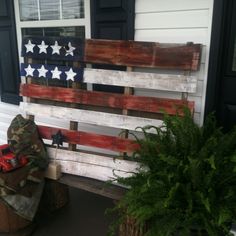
pixel 181 21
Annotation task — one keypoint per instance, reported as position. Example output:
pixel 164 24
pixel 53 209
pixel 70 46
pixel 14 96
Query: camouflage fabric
pixel 21 189
pixel 23 139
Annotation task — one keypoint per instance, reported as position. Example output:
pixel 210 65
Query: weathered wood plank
pixel 121 101
pixel 93 159
pixel 52 72
pixel 54 48
pixel 94 186
pixel 116 52
pixel 90 139
pixel 88 117
pixel 74 125
pixel 91 171
pixel 166 82
pixel 143 54
pixel 96 167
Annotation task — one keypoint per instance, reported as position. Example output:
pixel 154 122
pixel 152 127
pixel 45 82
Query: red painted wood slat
pixel 89 139
pixel 143 54
pixel 130 102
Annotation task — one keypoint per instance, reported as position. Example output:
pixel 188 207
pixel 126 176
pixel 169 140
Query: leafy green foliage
pixel 189 182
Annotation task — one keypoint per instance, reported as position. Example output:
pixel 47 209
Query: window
pixel 52 18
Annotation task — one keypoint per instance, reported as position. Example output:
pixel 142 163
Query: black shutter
pixel 9 67
pixel 112 19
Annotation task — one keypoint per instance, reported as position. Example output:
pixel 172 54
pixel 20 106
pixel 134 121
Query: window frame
pixel 86 22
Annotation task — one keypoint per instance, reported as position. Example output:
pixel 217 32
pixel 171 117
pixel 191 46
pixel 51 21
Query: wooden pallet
pixel 57 91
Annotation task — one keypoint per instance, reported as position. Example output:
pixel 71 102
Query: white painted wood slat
pixel 93 159
pixel 91 171
pixel 92 166
pixel 166 82
pixel 88 117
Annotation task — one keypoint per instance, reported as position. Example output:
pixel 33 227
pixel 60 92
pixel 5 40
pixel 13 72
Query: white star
pixel 70 75
pixel 42 47
pixel 56 48
pixel 70 50
pixel 29 46
pixel 29 71
pixel 56 73
pixel 42 71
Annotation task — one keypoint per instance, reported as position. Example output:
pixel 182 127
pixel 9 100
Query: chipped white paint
pixel 92 166
pixel 93 159
pixel 88 117
pixel 166 82
pixel 91 171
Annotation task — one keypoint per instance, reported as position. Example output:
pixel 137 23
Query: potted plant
pixel 189 181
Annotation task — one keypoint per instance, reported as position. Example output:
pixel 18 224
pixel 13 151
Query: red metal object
pixel 8 161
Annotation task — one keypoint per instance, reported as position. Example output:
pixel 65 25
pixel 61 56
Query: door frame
pixel 219 28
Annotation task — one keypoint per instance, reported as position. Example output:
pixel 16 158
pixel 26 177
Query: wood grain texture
pixel 118 52
pixel 90 139
pixel 78 72
pixel 92 166
pixel 91 171
pixel 94 186
pixel 88 117
pixel 121 101
pixel 165 82
pixel 93 159
pixel 143 54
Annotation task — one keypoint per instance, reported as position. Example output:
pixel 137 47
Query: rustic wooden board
pixel 94 186
pixel 90 139
pixel 54 48
pixel 88 117
pixel 91 171
pixel 47 72
pixel 93 159
pixel 166 82
pixel 121 101
pixel 92 166
pixel 116 52
pixel 143 54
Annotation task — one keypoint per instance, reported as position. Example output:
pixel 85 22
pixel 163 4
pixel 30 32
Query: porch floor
pixel 83 216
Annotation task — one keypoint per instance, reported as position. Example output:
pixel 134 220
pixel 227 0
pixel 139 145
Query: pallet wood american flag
pixel 103 109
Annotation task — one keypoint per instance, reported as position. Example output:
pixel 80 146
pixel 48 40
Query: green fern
pixel 189 182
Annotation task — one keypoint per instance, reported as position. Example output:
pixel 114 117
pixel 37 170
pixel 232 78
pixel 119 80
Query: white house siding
pixel 7 113
pixel 167 21
pixel 178 21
